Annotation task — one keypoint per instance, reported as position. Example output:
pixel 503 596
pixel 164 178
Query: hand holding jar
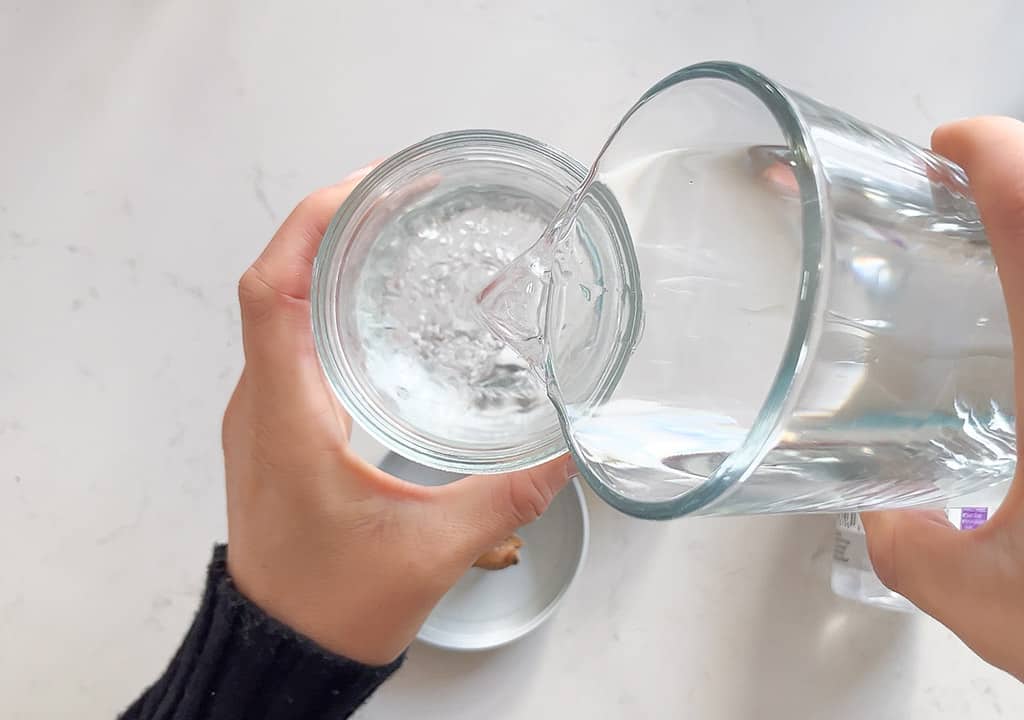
pixel 318 538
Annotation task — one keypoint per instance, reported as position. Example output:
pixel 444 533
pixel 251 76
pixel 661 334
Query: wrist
pixel 342 612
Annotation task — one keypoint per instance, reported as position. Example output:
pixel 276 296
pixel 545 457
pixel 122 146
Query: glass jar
pixel 393 298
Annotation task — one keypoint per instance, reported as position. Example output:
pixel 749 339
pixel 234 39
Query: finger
pixel 485 509
pixel 900 543
pixel 287 261
pixel 920 555
pixel 991 151
pixel 274 291
pixel 958 577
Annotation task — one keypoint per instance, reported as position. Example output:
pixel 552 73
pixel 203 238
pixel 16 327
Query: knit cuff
pixel 238 662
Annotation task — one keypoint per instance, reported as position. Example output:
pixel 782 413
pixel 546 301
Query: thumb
pixel 969 580
pixel 942 570
pixel 274 291
pixel 489 508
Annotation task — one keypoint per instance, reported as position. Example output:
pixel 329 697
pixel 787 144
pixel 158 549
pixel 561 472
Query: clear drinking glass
pixel 801 312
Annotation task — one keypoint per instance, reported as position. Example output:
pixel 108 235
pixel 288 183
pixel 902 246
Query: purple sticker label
pixel 971 518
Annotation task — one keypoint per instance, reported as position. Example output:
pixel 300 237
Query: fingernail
pixel 361 172
pixel 571 470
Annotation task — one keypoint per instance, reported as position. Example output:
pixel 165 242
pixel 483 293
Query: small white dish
pixel 487 609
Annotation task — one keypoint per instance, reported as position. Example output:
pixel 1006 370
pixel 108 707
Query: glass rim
pixel 335 362
pixel 805 325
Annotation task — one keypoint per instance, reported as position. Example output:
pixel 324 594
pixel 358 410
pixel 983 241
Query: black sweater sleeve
pixel 237 662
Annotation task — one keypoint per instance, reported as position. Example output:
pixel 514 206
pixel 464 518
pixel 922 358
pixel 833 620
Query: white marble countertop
pixel 150 147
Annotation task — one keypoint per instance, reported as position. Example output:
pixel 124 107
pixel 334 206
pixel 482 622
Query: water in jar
pixel 424 346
